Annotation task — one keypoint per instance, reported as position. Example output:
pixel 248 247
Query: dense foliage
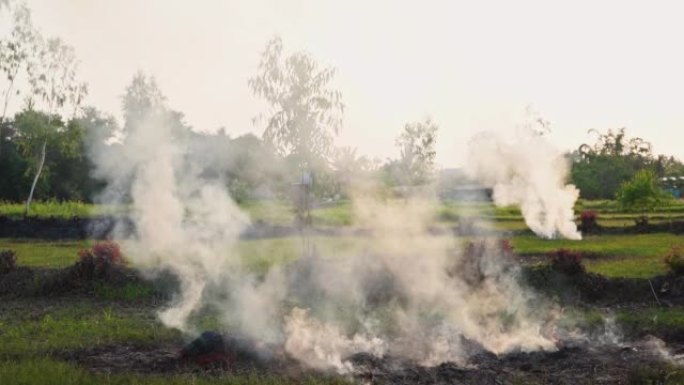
pixel 599 169
pixel 641 193
pixel 46 144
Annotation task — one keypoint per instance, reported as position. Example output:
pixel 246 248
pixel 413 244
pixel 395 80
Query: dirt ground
pixel 575 361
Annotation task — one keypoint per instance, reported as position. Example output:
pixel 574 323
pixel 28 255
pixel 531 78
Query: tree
pixel 668 166
pixel 53 79
pixel 417 148
pixel 348 167
pixel 600 168
pixel 16 54
pixel 306 112
pixel 142 97
pixel 641 193
pixel 34 129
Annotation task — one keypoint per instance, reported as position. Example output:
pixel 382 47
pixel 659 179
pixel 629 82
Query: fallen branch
pixel 654 293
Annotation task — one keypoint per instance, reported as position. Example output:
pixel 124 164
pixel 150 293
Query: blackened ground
pixel 126 358
pixel 580 363
pixel 594 289
pixel 571 364
pixel 165 359
pixel 103 227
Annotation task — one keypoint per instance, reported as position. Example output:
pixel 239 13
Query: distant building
pixel 673 185
pixel 454 185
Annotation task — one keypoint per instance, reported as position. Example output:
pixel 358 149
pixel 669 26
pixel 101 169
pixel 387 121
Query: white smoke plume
pixel 526 170
pixel 409 293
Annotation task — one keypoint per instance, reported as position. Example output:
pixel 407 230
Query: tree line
pixel 47 146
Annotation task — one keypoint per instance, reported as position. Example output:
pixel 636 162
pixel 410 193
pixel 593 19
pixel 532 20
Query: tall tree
pixel 142 97
pixel 305 111
pixel 417 152
pixel 53 80
pixel 15 54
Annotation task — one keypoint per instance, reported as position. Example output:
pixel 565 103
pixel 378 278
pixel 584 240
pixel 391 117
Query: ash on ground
pixel 573 363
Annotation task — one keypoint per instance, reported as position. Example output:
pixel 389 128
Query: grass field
pixel 44 253
pixel 46 371
pixel 638 256
pixel 341 213
pixel 34 332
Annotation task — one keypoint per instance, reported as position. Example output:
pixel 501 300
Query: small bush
pixel 506 246
pixel 641 222
pixel 589 221
pixel 98 260
pixel 675 260
pixel 567 262
pixel 8 261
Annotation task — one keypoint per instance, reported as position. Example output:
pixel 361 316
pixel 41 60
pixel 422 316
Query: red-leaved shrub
pixel 8 261
pixel 588 219
pixel 506 246
pixel 567 261
pixel 97 260
pixel 675 259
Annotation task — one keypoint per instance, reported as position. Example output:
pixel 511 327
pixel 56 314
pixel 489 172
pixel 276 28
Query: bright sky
pixel 469 65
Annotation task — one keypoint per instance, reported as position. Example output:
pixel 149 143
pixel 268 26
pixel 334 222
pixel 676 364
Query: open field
pixel 37 335
pixel 638 256
pixel 76 337
pixel 341 213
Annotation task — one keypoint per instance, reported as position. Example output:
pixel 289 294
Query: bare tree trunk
pixel 35 180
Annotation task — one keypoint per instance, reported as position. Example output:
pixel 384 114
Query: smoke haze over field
pixel 469 65
pixel 408 293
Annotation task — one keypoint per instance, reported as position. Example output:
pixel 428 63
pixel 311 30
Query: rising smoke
pixel 408 293
pixel 526 170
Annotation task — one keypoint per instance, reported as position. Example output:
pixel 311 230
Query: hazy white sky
pixel 469 65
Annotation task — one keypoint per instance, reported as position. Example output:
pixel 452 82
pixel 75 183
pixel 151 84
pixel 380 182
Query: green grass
pixel 628 245
pixel 340 214
pixel 258 254
pixel 638 256
pixel 639 321
pixel 27 330
pixel 44 253
pixel 45 371
pixel 652 320
pixel 274 213
pixel 611 206
pixel 126 292
pixel 56 209
pixel 628 268
pixel 34 333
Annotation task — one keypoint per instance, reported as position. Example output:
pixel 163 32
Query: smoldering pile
pixel 575 362
pixel 334 308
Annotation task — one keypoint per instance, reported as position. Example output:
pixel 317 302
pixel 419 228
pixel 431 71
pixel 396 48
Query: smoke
pixel 408 292
pixel 527 170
